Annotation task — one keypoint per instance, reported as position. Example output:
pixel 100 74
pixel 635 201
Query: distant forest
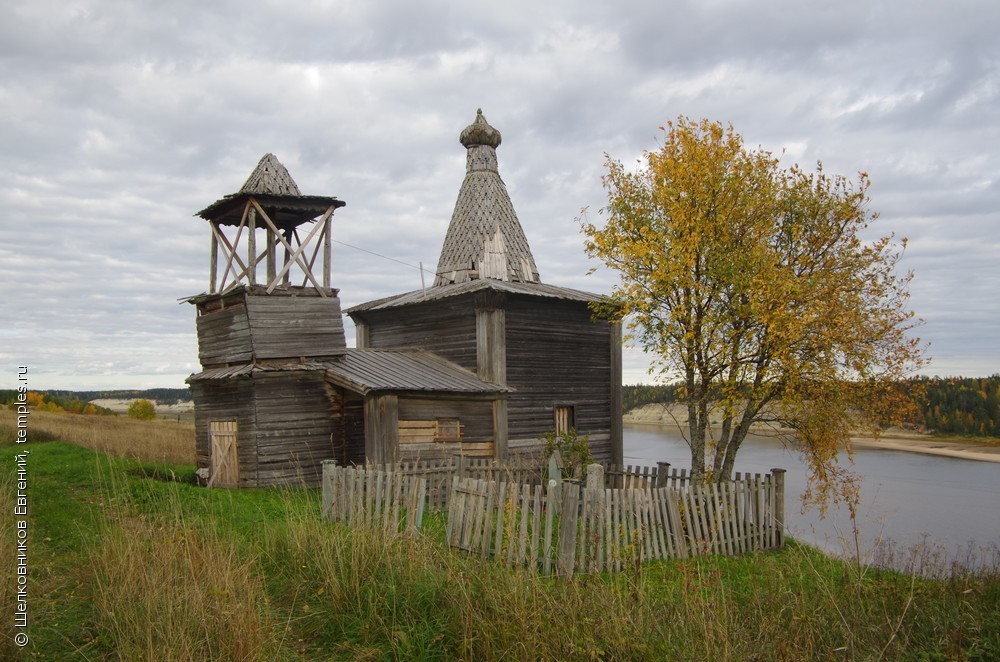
pixel 77 401
pixel 956 405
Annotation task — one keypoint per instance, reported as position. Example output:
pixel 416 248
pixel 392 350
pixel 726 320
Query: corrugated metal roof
pixel 365 370
pixel 456 289
pixel 222 373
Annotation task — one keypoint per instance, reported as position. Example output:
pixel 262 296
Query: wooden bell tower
pixel 269 201
pixel 262 413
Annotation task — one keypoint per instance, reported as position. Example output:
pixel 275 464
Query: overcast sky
pixel 120 120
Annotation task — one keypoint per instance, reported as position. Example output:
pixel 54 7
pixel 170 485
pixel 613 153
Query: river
pixel 949 506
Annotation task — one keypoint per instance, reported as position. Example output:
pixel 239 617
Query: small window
pixel 564 418
pixel 448 429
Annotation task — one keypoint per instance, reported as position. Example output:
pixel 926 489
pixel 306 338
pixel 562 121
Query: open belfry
pixel 481 364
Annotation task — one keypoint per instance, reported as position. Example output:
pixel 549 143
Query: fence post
pixel 594 507
pixel 555 481
pixel 460 465
pixel 779 505
pixel 566 562
pixel 662 470
pixel 329 467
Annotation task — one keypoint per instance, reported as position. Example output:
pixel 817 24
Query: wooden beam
pixel 491 345
pixel 247 270
pixel 312 260
pixel 297 257
pixel 381 428
pixel 500 428
pixel 327 240
pixel 361 337
pixel 271 248
pixel 232 247
pixel 288 248
pixel 252 249
pixel 231 252
pixel 617 444
pixel 213 264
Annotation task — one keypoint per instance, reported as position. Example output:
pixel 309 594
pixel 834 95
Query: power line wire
pixel 384 257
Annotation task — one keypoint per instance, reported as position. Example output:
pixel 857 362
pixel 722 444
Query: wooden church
pixel 482 363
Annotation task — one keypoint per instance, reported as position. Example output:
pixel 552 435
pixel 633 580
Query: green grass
pixel 131 560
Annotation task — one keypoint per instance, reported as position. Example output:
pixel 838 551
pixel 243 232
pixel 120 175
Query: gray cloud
pixel 123 119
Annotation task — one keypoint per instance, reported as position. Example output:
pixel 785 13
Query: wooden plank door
pixel 225 465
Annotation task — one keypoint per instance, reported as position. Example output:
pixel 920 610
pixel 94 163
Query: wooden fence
pixel 439 474
pixel 571 528
pixel 365 497
pixel 562 526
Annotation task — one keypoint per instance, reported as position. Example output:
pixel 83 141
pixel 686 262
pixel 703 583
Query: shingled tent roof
pixel 272 186
pixel 270 177
pixel 484 239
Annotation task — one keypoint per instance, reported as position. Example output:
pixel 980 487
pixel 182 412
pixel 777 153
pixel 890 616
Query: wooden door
pixel 225 465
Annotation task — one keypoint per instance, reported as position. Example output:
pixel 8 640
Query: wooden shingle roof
pixel 484 239
pixel 270 177
pixel 271 185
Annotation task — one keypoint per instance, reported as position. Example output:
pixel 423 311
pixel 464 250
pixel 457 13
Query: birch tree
pixel 757 286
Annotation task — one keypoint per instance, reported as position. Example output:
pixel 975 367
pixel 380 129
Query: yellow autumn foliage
pixel 759 288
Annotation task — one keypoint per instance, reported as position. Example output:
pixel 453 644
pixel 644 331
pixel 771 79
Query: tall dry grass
pixel 179 572
pixel 149 441
pixel 172 587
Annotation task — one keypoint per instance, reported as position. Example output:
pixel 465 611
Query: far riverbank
pixel 675 416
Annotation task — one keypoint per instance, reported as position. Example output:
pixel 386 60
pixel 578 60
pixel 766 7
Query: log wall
pixel 447 328
pixel 558 355
pixel 476 418
pixel 226 400
pixel 245 326
pixel 295 427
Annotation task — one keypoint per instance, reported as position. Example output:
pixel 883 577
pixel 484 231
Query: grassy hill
pixel 129 559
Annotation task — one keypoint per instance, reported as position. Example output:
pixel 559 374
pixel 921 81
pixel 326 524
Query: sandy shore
pixel 968 449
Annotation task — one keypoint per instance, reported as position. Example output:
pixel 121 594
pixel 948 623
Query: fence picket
pixel 630 513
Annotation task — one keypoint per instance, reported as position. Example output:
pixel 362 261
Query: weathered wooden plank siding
pixel 254 326
pixel 354 429
pixel 288 327
pixel 447 328
pixel 224 335
pixel 556 354
pixel 294 427
pixel 225 400
pixel 476 416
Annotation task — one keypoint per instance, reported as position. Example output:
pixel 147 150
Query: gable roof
pixel 484 238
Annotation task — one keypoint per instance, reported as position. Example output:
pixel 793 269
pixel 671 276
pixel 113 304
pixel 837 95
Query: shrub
pixel 574 449
pixel 142 409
